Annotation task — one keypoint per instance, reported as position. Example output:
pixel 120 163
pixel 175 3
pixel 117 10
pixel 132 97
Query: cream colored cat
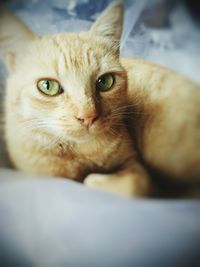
pixel 74 109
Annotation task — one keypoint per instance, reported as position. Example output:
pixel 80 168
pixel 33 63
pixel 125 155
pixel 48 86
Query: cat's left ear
pixel 14 35
pixel 110 23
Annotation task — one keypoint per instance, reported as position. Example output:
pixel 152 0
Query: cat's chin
pixel 82 137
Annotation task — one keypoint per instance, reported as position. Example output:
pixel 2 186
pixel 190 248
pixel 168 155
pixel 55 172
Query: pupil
pixel 102 81
pixel 47 85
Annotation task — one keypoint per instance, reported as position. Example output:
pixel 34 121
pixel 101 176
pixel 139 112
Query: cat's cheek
pixel 72 133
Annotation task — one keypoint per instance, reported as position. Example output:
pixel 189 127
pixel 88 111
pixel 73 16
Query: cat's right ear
pixel 14 34
pixel 109 24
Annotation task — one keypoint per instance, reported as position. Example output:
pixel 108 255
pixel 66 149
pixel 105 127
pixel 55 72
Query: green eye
pixel 105 82
pixel 49 87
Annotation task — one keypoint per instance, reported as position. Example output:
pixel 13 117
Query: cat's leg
pixel 132 180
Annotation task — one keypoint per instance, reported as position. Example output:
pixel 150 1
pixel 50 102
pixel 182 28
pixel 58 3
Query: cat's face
pixel 86 86
pixel 69 86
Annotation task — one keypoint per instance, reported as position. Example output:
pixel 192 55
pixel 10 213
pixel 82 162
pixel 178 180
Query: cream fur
pixel 44 136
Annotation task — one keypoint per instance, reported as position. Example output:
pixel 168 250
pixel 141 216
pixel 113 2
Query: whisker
pixel 36 124
pixel 113 132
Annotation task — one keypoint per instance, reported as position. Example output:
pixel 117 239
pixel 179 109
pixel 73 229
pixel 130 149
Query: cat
pixel 74 108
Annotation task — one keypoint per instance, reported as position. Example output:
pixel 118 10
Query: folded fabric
pixel 57 222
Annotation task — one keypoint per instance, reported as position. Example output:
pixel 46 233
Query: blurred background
pixel 163 31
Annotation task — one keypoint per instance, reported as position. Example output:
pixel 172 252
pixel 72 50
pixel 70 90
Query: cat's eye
pixel 105 82
pixel 49 87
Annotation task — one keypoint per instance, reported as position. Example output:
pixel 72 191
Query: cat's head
pixel 68 86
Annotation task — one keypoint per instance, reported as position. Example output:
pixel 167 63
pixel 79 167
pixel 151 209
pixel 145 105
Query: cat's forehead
pixel 67 56
pixel 77 50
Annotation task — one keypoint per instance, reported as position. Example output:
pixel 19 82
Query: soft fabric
pixel 56 222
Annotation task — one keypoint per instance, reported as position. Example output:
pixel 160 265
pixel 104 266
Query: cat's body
pixel 87 133
pixel 168 122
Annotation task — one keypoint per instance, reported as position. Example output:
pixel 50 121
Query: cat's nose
pixel 88 118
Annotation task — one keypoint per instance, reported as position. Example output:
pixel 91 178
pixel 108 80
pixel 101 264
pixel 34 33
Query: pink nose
pixel 87 119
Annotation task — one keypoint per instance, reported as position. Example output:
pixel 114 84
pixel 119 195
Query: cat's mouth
pixel 100 128
pixel 82 133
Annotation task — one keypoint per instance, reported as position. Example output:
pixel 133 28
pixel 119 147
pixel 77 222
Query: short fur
pixel 151 114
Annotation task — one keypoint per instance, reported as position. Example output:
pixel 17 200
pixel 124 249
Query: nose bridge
pixel 86 107
pixel 82 93
pixel 83 97
pixel 86 112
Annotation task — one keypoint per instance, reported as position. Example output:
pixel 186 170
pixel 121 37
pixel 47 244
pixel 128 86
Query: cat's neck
pixel 95 143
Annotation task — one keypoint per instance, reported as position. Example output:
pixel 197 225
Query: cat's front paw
pixel 96 181
pixel 109 183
